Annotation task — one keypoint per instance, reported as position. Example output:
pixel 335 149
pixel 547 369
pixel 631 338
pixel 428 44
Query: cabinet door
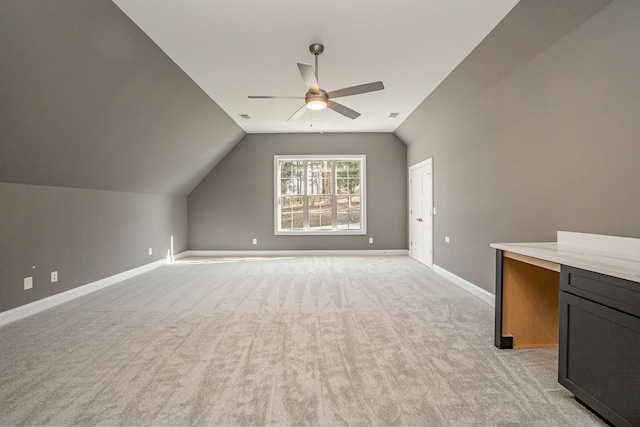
pixel 599 358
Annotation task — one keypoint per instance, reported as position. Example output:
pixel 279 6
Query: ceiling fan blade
pixel 274 97
pixel 355 90
pixel 345 111
pixel 309 77
pixel 298 113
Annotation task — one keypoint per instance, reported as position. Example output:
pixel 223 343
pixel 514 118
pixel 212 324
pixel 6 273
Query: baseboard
pixel 277 253
pixel 34 307
pixel 475 290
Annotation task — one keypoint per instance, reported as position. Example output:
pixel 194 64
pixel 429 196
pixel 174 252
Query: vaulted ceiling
pixel 233 49
pixel 149 100
pixel 93 99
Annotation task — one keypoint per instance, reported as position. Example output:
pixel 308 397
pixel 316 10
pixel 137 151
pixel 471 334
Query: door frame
pixel 410 169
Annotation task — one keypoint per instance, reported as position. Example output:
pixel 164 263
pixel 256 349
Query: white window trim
pixel 325 232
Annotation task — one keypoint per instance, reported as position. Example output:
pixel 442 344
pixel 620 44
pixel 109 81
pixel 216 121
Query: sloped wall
pixel 89 101
pixel 551 144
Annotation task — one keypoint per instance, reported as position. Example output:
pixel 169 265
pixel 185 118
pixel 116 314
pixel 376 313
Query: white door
pixel 421 210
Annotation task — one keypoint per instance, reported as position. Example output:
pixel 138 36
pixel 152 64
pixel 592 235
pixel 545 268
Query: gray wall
pixel 89 101
pixel 102 137
pixel 234 203
pixel 85 235
pixel 546 143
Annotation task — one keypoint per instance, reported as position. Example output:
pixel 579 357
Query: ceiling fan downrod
pixel 316 49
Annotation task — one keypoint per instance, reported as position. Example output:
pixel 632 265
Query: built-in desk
pixel 581 293
pixel 527 281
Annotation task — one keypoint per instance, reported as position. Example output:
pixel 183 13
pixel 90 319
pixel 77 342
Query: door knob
pixel 419 219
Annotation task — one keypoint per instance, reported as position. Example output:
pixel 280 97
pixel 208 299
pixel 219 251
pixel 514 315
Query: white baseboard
pixel 475 290
pixel 276 253
pixel 34 307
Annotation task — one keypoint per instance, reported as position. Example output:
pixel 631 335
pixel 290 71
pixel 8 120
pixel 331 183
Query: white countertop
pixel 549 251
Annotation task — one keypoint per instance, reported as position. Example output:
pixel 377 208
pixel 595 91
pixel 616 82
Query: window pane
pixel 319 178
pixel 348 177
pixel 320 212
pixel 349 212
pixel 291 213
pixel 291 178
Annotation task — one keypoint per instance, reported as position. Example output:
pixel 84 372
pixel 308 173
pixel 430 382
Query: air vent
pixel 392 115
pixel 245 116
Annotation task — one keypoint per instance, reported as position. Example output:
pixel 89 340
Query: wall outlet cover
pixel 28 283
pixel 54 276
pixel 150 251
pixel 255 241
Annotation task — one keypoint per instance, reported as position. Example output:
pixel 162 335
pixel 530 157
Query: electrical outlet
pixel 150 251
pixel 446 239
pixel 370 240
pixel 255 241
pixel 54 276
pixel 28 283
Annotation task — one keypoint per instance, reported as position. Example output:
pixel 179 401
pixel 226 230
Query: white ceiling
pixel 235 48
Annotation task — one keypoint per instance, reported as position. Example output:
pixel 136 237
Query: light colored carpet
pixel 291 341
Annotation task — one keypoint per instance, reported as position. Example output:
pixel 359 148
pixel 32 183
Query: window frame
pixel 334 231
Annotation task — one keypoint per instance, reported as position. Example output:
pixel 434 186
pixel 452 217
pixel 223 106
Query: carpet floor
pixel 321 341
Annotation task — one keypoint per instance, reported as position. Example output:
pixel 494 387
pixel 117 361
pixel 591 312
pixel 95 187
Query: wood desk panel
pixel 530 304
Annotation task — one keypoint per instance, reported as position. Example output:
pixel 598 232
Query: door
pixel 421 210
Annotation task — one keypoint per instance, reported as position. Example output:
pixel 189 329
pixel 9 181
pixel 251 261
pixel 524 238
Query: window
pixel 320 195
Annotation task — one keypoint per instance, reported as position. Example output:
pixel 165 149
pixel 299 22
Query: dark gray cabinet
pixel 599 343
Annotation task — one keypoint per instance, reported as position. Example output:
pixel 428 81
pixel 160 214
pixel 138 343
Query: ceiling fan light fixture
pixel 316 104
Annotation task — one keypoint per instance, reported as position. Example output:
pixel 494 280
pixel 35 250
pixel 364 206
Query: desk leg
pixel 500 341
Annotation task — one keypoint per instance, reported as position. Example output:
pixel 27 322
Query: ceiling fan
pixel 317 98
